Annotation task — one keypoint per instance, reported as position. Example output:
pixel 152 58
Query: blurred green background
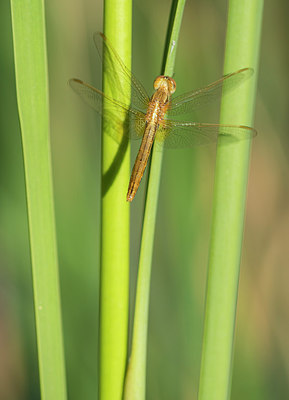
pixel 261 362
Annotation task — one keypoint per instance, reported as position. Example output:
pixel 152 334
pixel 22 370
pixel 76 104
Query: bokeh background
pixel 261 361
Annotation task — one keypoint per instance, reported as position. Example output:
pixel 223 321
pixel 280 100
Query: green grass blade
pixel 32 95
pixel 136 374
pixel 114 282
pixel 242 50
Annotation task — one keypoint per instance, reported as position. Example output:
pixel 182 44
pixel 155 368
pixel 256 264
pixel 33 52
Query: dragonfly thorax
pixel 165 82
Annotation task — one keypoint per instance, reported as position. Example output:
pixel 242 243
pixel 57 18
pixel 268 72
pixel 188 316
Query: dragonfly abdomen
pixel 141 160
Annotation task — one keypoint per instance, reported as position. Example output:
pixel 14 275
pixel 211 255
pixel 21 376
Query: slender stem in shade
pixel 136 374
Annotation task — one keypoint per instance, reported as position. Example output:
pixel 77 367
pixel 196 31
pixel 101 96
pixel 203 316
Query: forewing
pixel 174 134
pixel 193 100
pixel 120 78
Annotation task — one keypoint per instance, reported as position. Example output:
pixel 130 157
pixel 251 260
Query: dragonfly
pixel 149 118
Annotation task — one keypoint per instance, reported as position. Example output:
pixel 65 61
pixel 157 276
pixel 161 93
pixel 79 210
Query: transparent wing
pixel 121 117
pixel 174 134
pixel 120 78
pixel 190 101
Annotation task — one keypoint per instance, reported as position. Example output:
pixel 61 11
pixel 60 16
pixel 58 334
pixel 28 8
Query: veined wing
pixel 174 134
pixel 190 101
pixel 123 118
pixel 120 78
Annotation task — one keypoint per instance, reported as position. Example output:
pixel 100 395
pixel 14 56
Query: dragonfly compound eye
pixel 166 82
pixel 172 85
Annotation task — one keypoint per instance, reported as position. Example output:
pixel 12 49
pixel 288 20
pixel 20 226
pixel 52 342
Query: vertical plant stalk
pixel 28 24
pixel 135 383
pixel 114 277
pixel 242 50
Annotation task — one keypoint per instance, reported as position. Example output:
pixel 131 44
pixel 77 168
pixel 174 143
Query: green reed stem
pixel 28 24
pixel 114 279
pixel 136 374
pixel 232 164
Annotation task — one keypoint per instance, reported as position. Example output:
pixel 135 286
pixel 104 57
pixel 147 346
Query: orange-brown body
pixel 157 108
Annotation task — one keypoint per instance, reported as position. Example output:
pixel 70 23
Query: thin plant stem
pixel 28 24
pixel 114 277
pixel 135 383
pixel 232 164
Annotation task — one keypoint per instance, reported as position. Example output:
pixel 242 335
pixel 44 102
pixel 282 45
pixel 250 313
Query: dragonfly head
pixel 165 82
